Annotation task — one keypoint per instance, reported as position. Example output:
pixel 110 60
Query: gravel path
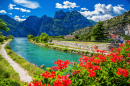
pixel 24 76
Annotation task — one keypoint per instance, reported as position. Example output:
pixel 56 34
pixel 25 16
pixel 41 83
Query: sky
pixel 91 9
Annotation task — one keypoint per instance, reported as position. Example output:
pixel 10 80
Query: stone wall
pixel 103 46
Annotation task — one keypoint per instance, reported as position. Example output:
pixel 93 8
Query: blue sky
pixel 92 9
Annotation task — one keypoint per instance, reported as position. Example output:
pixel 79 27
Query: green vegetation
pixel 31 68
pixel 8 76
pixel 97 32
pixel 3 26
pixel 10 37
pixel 43 38
pixel 110 25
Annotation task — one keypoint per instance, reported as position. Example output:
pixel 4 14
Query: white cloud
pixel 84 8
pixel 66 4
pixel 10 13
pixel 27 3
pixel 23 16
pixel 16 8
pixel 17 18
pixel 100 17
pixel 3 11
pixel 24 10
pixel 103 12
pixel 11 6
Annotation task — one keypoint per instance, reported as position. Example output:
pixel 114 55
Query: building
pixel 69 36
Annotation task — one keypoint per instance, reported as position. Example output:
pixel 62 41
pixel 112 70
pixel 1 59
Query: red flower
pixel 74 72
pixel 85 59
pixel 96 61
pixel 112 49
pixel 97 67
pixel 80 59
pixel 61 64
pixel 118 49
pixel 121 45
pixel 35 83
pixel 62 81
pixel 82 56
pixel 102 58
pixel 92 73
pixel 95 47
pixel 97 50
pixel 49 75
pixel 113 60
pixel 129 55
pixel 80 63
pixel 122 72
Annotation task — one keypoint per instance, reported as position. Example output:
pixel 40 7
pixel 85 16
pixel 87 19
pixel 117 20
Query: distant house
pixel 115 37
pixel 69 36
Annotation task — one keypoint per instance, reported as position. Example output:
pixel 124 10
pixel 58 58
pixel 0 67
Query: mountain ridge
pixel 115 25
pixel 62 23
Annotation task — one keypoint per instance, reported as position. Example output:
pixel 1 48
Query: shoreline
pixel 20 70
pixel 65 49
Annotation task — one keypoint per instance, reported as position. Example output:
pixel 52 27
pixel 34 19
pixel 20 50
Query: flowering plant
pixel 100 69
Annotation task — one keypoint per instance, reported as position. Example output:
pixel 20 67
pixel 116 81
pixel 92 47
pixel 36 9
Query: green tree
pixel 88 37
pixel 44 38
pixel 3 26
pixel 76 36
pixel 10 37
pixel 97 32
pixel 30 36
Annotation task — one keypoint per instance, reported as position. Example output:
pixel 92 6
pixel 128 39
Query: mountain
pixel 116 25
pixel 13 26
pixel 63 23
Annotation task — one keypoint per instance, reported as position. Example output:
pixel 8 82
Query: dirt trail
pixel 24 76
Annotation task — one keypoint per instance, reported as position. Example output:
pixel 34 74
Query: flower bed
pixel 111 69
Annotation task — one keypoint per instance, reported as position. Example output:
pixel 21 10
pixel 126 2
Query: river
pixel 40 55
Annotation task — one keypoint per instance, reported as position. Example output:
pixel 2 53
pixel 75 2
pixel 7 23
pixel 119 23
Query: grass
pixel 31 68
pixel 8 76
pixel 86 42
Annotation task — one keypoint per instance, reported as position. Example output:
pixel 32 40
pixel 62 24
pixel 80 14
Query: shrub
pixel 98 70
pixel 10 37
pixel 1 39
pixel 5 38
pixel 46 44
pixel 30 36
pixel 8 47
pixel 65 49
pixel 7 82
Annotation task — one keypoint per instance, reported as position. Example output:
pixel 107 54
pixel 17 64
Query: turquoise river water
pixel 40 55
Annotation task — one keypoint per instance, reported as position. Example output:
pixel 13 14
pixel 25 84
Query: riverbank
pixel 14 68
pixel 22 72
pixel 71 49
pixel 31 68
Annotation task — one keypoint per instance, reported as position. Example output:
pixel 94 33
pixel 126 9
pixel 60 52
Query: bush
pixel 37 39
pixel 46 44
pixel 50 40
pixel 98 70
pixel 65 49
pixel 7 82
pixel 8 47
pixel 30 36
pixel 10 37
pixel 5 38
pixel 1 39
